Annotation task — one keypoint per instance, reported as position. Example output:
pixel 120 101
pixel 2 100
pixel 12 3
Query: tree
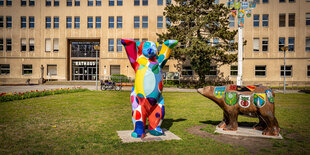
pixel 194 24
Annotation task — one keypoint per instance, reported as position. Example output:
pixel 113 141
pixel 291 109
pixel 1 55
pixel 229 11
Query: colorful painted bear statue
pixel 251 101
pixel 146 95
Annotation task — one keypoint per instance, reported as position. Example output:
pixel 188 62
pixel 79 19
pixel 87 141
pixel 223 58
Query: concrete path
pixel 12 89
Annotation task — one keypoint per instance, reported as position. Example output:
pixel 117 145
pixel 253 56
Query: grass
pixel 86 123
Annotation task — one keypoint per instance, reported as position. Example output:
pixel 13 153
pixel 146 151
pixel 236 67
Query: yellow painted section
pixel 163 49
pixel 142 61
pixel 139 81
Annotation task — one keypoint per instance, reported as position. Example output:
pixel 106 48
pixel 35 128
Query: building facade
pixel 59 35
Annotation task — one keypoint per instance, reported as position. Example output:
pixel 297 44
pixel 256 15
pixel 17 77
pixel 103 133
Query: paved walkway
pixel 12 89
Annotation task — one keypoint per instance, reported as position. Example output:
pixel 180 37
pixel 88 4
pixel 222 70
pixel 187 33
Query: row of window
pixel 265 20
pixel 282 43
pixel 5 69
pixel 91 22
pixel 78 2
pixel 267 1
pixel 260 70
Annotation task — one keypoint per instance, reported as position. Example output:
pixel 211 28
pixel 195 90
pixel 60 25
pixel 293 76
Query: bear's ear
pixel 157 44
pixel 138 43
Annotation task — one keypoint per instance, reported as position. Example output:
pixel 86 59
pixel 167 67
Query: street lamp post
pixel 284 49
pixel 97 48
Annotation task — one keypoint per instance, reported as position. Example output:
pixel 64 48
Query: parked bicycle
pixel 110 85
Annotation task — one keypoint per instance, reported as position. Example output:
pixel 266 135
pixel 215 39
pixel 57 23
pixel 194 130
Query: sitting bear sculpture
pixel 146 96
pixel 252 101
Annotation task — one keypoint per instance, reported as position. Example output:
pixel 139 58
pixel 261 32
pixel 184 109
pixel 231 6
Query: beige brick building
pixel 60 35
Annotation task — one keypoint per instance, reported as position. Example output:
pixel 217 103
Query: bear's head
pixel 149 49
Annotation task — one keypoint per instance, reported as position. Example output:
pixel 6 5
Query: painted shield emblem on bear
pixel 259 99
pixel 231 98
pixel 219 92
pixel 244 101
pixel 270 96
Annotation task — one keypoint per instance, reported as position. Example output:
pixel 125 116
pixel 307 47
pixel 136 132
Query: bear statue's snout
pixel 200 90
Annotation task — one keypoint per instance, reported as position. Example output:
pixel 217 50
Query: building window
pixel 31 44
pixel 1 2
pixel 144 39
pixel 233 70
pixel 111 2
pixel 119 2
pixel 23 22
pixel 145 2
pixel 1 21
pixel 51 70
pixel 77 22
pixel 98 22
pixel 23 2
pixel 48 22
pixel 265 1
pixel 48 3
pixel 187 71
pixel 216 2
pixel 160 21
pixel 281 43
pixel 281 20
pixel 119 22
pixel 307 44
pixel 69 22
pixel 8 2
pixel 308 70
pixel 32 3
pixel 168 23
pixel 111 45
pixel 168 2
pixel 5 69
pixel 260 70
pixel 291 1
pixel 230 45
pixel 308 19
pixel 48 44
pixel 256 20
pixel 56 2
pixel 27 69
pixel 136 23
pixel 90 3
pixel 111 22
pixel 69 2
pixel 145 21
pixel 215 42
pixel 119 46
pixel 115 69
pixel 231 21
pixel 89 22
pixel 282 1
pixel 136 2
pixel 265 44
pixel 55 44
pixel 288 70
pixel 23 46
pixel 265 20
pixel 291 19
pixel 8 21
pixel 31 22
pixel 8 44
pixel 56 22
pixel 255 44
pixel 291 44
pixel 76 2
pixel 1 44
pixel 160 2
pixel 213 71
pixel 98 2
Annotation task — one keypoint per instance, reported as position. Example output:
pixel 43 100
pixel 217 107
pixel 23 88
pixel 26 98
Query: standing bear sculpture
pixel 146 95
pixel 251 101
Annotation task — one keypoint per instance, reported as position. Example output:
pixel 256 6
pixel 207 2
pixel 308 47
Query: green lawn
pixel 86 122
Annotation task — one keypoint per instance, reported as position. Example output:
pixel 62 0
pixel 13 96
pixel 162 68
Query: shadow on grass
pixel 244 124
pixel 167 123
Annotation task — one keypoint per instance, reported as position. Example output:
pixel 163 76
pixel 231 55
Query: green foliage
pixel 194 24
pixel 20 96
pixel 119 78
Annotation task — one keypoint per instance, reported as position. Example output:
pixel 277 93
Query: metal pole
pixel 240 53
pixel 96 70
pixel 284 73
